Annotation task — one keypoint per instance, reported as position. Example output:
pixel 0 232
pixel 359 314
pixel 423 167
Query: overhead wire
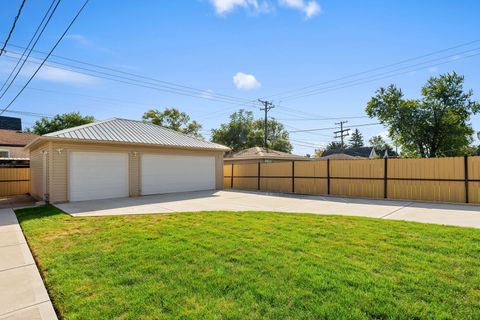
pixel 388 74
pixel 24 61
pixel 12 28
pixel 375 69
pixel 138 83
pixel 333 128
pixel 167 84
pixel 46 58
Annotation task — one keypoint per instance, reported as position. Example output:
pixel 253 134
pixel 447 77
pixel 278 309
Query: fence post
pixel 465 164
pixel 258 177
pixel 328 176
pixel 231 178
pixel 385 178
pixel 293 176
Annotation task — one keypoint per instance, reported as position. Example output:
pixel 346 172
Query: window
pixel 4 154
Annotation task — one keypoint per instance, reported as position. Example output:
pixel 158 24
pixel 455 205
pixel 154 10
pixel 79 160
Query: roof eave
pixel 71 140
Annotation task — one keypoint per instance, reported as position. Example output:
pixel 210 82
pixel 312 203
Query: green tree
pixel 435 125
pixel 356 140
pixel 336 145
pixel 277 139
pixel 318 153
pixel 173 119
pixel 243 131
pixel 378 143
pixel 60 122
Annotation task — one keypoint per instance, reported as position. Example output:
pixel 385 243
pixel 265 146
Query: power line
pixel 140 83
pixel 166 84
pixel 389 74
pixel 43 62
pixel 29 114
pixel 375 69
pixel 13 27
pixel 333 128
pixel 30 51
pixel 322 119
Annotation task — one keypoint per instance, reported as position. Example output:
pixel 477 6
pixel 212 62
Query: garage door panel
pixel 98 175
pixel 173 173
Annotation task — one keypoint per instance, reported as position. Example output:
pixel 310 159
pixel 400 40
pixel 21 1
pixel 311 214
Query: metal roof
pixel 133 131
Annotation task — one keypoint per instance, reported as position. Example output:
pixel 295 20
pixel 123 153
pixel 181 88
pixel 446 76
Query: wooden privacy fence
pixel 455 179
pixel 14 181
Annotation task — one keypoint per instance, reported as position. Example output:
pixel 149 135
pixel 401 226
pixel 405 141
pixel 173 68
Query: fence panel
pixel 311 177
pixel 245 176
pixel 227 176
pixel 434 179
pixel 474 174
pixel 357 178
pixel 14 181
pixel 276 176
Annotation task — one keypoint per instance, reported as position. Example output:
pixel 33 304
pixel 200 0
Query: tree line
pixel 437 124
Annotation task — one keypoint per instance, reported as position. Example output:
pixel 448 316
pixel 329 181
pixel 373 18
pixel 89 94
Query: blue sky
pixel 246 49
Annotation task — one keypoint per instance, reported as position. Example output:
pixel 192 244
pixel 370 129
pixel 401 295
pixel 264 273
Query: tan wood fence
pixel 14 181
pixel 455 179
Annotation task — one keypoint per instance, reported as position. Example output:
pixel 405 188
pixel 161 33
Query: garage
pixel 118 158
pixel 98 175
pixel 174 173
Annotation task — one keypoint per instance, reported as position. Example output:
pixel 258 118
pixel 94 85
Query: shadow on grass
pixel 47 211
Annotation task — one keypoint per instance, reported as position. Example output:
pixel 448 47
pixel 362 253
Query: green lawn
pixel 251 265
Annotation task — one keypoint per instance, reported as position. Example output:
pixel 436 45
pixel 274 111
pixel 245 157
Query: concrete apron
pixel 438 213
pixel 22 292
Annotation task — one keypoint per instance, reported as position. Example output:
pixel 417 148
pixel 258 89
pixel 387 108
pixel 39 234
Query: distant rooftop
pixel 261 153
pixel 10 123
pixel 15 138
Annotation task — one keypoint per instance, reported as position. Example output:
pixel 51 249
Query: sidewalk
pixel 22 292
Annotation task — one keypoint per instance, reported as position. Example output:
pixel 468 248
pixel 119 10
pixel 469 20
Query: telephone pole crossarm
pixel 342 133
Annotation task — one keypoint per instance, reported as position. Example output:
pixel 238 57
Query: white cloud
pixel 310 8
pixel 432 69
pixel 85 42
pixel 61 75
pixel 225 6
pixel 48 72
pixel 245 81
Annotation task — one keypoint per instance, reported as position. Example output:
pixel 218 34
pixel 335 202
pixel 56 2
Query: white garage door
pixel 173 173
pixel 98 175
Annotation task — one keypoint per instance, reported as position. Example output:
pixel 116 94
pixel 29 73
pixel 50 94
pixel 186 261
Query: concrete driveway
pixel 448 214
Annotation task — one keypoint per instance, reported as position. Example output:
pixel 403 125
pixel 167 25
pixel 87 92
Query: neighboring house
pixel 357 153
pixel 12 139
pixel 120 158
pixel 258 154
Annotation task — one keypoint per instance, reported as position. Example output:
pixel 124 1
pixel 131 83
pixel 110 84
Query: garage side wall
pixel 36 168
pixel 59 161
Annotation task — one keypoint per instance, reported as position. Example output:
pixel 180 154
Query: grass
pixel 251 265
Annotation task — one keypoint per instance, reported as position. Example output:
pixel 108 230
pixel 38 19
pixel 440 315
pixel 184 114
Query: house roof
pixel 10 123
pixel 132 132
pixel 363 152
pixel 262 153
pixel 340 156
pixel 15 138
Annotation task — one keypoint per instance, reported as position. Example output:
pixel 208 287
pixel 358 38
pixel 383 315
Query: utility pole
pixel 342 133
pixel 267 105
